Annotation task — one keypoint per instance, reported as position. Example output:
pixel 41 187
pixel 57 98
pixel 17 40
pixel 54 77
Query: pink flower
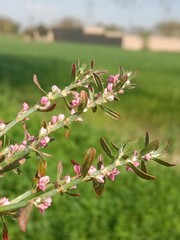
pixel 4 201
pixel 136 164
pixel 43 181
pixel 77 167
pixel 2 126
pixel 111 174
pixel 25 107
pixel 99 178
pixel 45 102
pixel 113 78
pixel 76 101
pixel 147 157
pixel 42 205
pixel 54 120
pixel 92 170
pixel 109 87
pixel 55 89
pixel 44 141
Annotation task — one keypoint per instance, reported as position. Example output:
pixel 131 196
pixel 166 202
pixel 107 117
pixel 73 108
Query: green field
pixel 130 208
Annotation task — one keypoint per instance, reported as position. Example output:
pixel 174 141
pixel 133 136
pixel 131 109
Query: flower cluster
pixel 87 91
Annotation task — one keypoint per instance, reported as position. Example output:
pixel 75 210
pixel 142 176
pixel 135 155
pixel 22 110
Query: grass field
pixel 130 208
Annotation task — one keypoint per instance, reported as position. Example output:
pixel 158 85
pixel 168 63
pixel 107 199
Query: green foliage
pixel 130 208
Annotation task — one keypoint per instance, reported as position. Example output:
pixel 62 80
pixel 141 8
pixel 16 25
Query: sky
pixel 127 14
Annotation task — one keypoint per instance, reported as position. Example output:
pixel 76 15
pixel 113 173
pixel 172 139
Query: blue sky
pixel 125 13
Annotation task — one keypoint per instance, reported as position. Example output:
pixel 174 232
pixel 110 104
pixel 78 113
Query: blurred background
pixel 46 37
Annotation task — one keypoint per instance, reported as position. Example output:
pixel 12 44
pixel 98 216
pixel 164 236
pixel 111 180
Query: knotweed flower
pixel 43 204
pixel 112 174
pixel 43 181
pixel 44 102
pixel 4 201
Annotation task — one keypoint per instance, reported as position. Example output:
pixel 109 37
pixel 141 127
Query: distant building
pixel 95 35
pixel 99 35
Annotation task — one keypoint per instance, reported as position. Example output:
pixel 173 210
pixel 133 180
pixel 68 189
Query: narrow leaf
pixel 98 187
pixel 166 164
pixel 143 167
pixel 110 112
pixel 147 139
pixel 67 103
pixel 49 109
pixel 89 157
pixel 114 145
pixel 36 82
pixel 66 131
pixel 140 173
pixel 73 72
pixel 24 216
pixel 59 171
pixel 150 147
pixel 5 231
pixel 121 83
pixel 106 148
pixel 129 145
pixel 83 100
pixel 163 147
pixel 73 194
pixel 98 82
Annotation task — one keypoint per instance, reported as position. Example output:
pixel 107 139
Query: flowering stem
pixel 53 189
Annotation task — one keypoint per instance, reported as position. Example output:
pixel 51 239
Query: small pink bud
pixel 45 102
pixel 147 157
pixel 61 117
pixel 25 107
pixel 44 141
pixel 2 126
pixel 4 201
pixel 113 78
pixel 43 132
pixel 43 204
pixel 54 120
pixel 43 181
pixel 55 89
pixel 77 169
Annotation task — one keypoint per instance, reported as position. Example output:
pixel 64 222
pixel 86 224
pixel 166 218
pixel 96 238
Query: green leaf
pixel 163 147
pixel 143 166
pixel 106 148
pixel 115 146
pixel 150 147
pixel 98 82
pixel 49 109
pixel 129 145
pixel 89 157
pixel 67 103
pixel 166 164
pixel 147 139
pixel 5 231
pixel 121 83
pixel 66 131
pixel 121 72
pixel 83 101
pixel 36 82
pixel 110 112
pixel 140 173
pixel 98 187
pixel 24 216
